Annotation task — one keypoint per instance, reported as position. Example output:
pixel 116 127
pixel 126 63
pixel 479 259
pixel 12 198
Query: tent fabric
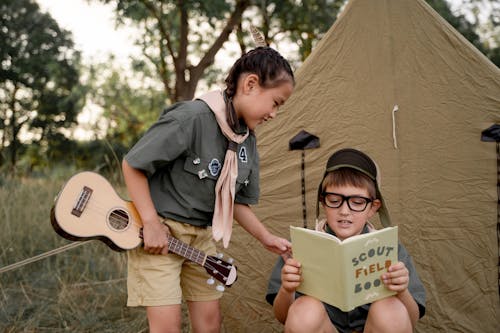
pixel 395 80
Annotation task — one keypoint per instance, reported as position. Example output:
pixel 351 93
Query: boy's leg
pixel 205 316
pixel 388 315
pixel 308 314
pixel 164 319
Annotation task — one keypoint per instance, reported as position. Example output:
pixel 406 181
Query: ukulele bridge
pixel 81 202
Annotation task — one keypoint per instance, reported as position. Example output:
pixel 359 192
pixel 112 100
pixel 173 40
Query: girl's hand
pixel 291 275
pixel 396 278
pixel 277 244
pixel 155 237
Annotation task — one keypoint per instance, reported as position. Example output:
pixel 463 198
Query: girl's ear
pixel 250 82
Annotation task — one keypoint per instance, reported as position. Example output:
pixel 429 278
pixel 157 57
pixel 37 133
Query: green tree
pixel 180 38
pixel 301 23
pixel 482 17
pixel 129 102
pixel 39 79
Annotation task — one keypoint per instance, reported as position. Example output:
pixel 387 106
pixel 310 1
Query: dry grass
pixel 80 290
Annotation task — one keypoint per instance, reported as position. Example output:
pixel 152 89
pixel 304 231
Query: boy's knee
pixel 388 315
pixel 306 314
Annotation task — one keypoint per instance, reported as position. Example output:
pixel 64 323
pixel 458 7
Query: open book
pixel 345 274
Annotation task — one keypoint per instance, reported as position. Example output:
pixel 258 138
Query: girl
pixel 194 170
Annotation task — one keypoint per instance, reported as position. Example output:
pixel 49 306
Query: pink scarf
pixel 222 223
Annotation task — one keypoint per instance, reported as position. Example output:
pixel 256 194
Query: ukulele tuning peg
pixel 230 260
pixel 220 255
pixel 220 288
pixel 210 281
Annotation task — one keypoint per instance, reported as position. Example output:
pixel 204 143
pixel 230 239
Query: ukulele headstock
pixel 223 271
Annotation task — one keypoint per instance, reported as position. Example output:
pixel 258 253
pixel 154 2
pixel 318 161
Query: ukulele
pixel 88 207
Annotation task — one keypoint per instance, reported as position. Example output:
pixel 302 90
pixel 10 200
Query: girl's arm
pixel 154 232
pixel 249 221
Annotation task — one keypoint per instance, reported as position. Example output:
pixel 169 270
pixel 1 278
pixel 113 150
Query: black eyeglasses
pixel 354 202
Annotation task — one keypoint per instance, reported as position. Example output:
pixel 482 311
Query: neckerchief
pixel 222 222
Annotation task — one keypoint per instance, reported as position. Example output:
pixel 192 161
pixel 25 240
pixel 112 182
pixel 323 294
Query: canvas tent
pixel 393 79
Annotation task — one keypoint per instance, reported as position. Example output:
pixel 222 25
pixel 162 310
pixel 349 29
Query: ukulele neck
pixel 180 248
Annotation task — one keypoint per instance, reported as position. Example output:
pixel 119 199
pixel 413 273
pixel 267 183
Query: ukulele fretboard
pixel 186 251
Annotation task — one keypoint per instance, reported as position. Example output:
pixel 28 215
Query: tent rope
pixel 41 256
pixel 394 138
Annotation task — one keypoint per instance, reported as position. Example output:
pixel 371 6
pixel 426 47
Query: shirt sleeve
pixel 274 283
pixel 162 143
pixel 415 287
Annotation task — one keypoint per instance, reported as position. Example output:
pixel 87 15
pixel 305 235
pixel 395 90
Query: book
pixel 345 274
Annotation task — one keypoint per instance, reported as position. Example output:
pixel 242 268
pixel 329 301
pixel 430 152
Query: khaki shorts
pixel 155 280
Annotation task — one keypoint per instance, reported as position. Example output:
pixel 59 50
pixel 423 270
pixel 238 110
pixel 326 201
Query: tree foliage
pixel 181 38
pixel 39 79
pixel 129 103
pixel 300 23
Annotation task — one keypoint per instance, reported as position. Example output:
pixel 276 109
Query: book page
pixel 368 256
pixel 320 256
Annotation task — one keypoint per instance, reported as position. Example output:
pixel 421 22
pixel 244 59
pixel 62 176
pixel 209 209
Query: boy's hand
pixel 155 237
pixel 291 275
pixel 396 278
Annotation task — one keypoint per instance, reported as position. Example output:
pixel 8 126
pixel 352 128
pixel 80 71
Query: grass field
pixel 80 290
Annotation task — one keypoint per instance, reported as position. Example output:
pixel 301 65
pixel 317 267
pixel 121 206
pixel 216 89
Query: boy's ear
pixel 376 204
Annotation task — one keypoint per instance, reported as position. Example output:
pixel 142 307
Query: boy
pixel 350 196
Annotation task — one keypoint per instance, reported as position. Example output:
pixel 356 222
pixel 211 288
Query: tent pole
pixel 498 213
pixel 303 176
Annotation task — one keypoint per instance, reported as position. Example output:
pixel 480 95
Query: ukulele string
pixel 94 206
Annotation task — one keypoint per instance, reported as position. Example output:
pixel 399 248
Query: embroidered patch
pixel 214 167
pixel 243 154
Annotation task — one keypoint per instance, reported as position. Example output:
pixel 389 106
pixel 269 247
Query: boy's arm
pixel 397 279
pixel 249 221
pixel 154 233
pixel 282 303
pixel 411 306
pixel 290 281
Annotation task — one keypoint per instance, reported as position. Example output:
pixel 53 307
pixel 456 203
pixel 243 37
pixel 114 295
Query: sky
pixel 93 28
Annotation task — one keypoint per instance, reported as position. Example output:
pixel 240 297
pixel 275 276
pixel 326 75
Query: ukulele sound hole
pixel 118 219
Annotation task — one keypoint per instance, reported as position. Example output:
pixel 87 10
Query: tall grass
pixel 80 290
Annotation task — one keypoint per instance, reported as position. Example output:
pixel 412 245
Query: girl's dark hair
pixel 271 68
